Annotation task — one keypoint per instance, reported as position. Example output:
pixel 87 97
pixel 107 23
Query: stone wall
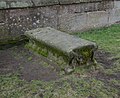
pixel 5 4
pixel 18 16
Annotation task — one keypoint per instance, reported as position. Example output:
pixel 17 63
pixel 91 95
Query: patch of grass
pixel 67 87
pixel 11 86
pixel 29 58
pixel 107 38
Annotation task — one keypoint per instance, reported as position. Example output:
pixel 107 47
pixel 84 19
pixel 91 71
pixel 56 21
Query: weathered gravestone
pixel 62 48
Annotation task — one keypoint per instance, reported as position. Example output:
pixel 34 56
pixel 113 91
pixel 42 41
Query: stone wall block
pixel 72 22
pixel 117 4
pixel 114 16
pixel 49 16
pixel 77 1
pixel 97 19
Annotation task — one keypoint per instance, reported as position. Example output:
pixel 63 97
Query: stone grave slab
pixel 60 47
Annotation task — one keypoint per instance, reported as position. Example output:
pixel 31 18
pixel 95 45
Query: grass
pixel 80 84
pixel 107 38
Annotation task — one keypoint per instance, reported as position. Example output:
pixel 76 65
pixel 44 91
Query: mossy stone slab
pixel 72 47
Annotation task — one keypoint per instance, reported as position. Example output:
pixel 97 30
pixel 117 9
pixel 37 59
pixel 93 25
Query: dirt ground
pixel 31 66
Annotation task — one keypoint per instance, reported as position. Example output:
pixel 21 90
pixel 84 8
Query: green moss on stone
pixel 49 52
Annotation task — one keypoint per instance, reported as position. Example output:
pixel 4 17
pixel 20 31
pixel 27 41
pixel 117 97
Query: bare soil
pixel 108 62
pixel 30 66
pixel 105 59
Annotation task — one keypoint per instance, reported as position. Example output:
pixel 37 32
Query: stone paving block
pixel 60 47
